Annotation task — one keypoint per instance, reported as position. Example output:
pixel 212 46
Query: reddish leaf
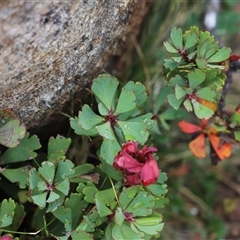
pixel 189 128
pixel 223 150
pixel 234 58
pixel 197 146
pixel 208 104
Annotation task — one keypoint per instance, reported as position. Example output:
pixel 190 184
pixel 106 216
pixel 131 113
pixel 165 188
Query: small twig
pixel 196 199
pixel 228 82
pixel 144 64
pixel 228 182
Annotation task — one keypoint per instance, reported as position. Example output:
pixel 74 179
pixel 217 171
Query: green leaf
pixel 237 136
pixel 63 186
pixel 127 196
pixel 139 91
pixel 190 40
pixel 201 63
pixel 90 222
pixel 137 128
pixel 235 118
pixel 40 199
pixel 126 102
pixel 149 221
pixel 88 119
pixel 176 37
pixel 105 130
pixel 77 204
pixel 119 216
pixel 150 230
pixel 179 92
pixel 74 123
pixel 47 171
pixel 170 48
pixel 34 178
pixel 19 215
pixel 124 232
pixel 6 212
pixel 109 150
pixel 17 175
pixel 177 80
pixel 174 102
pixel 64 215
pixel 104 87
pixel 158 190
pixel 89 193
pixel 188 105
pixel 11 132
pixel 77 235
pixel 196 78
pixel 52 197
pixel 64 169
pixel 134 130
pixel 203 47
pixel 220 56
pixel 169 63
pixel 206 93
pixel 105 202
pixel 177 59
pixel 24 151
pixel 210 52
pixel 201 111
pixel 58 144
pixel 52 206
pixel 141 205
pixel 102 109
pixel 111 171
pixel 80 170
pixel 162 178
pixel 220 66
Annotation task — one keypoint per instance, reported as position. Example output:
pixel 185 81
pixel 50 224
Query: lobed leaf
pixel 11 132
pixel 174 102
pixel 196 78
pixel 177 38
pixel 88 119
pixel 58 145
pixel 104 87
pixel 74 123
pixel 220 56
pixel 17 175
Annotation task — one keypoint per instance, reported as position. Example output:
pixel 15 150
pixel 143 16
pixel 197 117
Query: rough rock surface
pixel 49 49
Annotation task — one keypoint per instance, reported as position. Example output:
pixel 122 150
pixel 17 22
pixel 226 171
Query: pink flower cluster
pixel 137 166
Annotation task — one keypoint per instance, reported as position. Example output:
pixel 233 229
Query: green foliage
pixel 71 201
pixel 193 71
pixel 10 132
pixel 11 215
pixel 84 201
pixel 22 152
pixel 115 124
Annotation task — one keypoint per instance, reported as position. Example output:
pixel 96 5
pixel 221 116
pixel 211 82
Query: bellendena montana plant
pixel 121 196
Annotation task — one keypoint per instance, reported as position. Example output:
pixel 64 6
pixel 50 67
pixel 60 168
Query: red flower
pixel 138 166
pixel 197 146
pixel 6 237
